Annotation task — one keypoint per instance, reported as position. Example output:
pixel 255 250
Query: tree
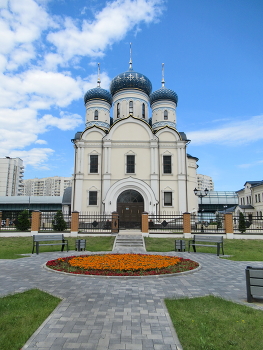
pixel 218 221
pixel 242 223
pixel 23 223
pixel 59 224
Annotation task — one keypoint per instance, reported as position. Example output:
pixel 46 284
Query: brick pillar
pixel 145 223
pixel 74 223
pixel 187 225
pixel 114 222
pixel 229 230
pixel 35 222
pixel 7 222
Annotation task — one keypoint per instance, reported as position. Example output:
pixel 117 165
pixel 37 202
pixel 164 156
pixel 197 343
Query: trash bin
pixel 80 244
pixel 180 245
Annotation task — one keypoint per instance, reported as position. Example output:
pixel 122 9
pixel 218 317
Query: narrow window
pixel 118 110
pixel 94 164
pixel 167 198
pixel 93 197
pixel 130 107
pixel 167 164
pixel 130 164
pixel 143 110
pixel 96 115
pixel 165 115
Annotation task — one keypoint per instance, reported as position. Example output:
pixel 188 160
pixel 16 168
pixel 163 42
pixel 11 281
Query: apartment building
pixel 48 186
pixel 11 176
pixel 203 182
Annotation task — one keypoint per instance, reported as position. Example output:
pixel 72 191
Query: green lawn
pixel 21 315
pixel 211 323
pixel 12 247
pixel 238 249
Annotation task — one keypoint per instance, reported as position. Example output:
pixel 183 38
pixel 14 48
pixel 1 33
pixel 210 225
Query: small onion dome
pixel 98 94
pixel 131 80
pixel 163 94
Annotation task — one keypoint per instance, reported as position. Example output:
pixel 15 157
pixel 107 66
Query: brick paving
pixel 118 313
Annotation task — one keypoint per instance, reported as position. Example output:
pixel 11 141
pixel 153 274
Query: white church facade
pixel 136 160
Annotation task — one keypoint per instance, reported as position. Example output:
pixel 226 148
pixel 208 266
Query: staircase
pixel 129 243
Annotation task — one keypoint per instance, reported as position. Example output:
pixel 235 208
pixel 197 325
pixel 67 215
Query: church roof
pixel 130 80
pixel 163 94
pixel 98 94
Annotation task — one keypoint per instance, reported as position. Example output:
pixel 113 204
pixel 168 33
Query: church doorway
pixel 130 205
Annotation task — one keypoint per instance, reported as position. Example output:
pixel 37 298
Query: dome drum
pixel 163 94
pixel 98 94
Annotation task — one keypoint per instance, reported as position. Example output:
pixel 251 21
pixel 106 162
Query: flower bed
pixel 122 264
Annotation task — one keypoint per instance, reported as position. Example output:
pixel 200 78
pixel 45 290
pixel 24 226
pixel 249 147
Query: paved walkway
pixel 117 313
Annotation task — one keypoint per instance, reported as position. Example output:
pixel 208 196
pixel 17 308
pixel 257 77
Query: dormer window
pixel 118 110
pixel 130 107
pixel 96 115
pixel 165 115
pixel 143 110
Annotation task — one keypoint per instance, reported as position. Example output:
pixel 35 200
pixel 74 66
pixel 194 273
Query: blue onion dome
pixel 131 80
pixel 98 94
pixel 163 94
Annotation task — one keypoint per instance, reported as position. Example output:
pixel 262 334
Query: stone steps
pixel 129 241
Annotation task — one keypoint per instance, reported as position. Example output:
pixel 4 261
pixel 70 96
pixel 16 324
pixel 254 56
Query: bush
pixel 23 223
pixel 59 224
pixel 242 223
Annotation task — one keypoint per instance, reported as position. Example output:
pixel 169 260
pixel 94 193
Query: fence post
pixel 114 222
pixel 187 225
pixel 35 222
pixel 229 226
pixel 145 223
pixel 74 223
pixel 0 220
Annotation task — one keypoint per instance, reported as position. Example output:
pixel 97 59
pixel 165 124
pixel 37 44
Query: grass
pixel 211 323
pixel 21 315
pixel 12 247
pixel 238 249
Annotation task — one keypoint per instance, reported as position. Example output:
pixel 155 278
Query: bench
pixel 254 281
pixel 204 242
pixel 50 240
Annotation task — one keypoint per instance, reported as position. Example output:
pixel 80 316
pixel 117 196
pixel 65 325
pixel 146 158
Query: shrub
pixel 242 223
pixel 23 223
pixel 59 224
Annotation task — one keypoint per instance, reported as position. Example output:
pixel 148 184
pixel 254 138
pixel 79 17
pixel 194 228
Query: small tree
pixel 23 223
pixel 59 224
pixel 218 221
pixel 242 223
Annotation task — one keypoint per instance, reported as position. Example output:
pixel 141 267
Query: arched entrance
pixel 130 205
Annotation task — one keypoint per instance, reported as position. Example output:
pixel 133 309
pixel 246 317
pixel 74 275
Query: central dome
pixel 131 80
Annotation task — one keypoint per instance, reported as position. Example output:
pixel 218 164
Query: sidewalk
pixel 118 313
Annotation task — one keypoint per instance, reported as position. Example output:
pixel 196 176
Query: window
pixel 96 115
pixel 93 197
pixel 130 107
pixel 143 110
pixel 118 110
pixel 165 115
pixel 167 164
pixel 94 164
pixel 167 199
pixel 130 164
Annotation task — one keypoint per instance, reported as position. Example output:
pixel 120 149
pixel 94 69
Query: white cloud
pixel 110 25
pixel 235 133
pixel 66 122
pixel 41 142
pixel 36 157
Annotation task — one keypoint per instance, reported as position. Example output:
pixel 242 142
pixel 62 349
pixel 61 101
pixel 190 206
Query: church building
pixel 136 160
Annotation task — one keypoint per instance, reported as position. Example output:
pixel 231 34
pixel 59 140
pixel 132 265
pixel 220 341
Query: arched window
pixel 165 115
pixel 118 110
pixel 143 110
pixel 96 115
pixel 130 107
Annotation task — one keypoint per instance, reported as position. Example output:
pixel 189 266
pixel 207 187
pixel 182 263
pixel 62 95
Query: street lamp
pixel 201 194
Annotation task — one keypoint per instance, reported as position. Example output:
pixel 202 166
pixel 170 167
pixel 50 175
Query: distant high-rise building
pixel 203 182
pixel 11 176
pixel 48 186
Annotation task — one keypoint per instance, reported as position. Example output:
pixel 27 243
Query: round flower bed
pixel 122 264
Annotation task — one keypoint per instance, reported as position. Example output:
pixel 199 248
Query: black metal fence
pixel 95 223
pixel 165 223
pixel 9 220
pixel 48 219
pixel 248 225
pixel 207 223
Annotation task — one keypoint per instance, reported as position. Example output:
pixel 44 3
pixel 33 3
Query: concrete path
pixel 117 313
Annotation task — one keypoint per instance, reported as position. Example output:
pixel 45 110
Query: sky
pixel 213 56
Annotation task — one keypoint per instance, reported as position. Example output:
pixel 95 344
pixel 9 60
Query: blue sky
pixel 213 55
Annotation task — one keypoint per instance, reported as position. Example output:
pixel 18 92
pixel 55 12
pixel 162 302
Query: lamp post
pixel 201 194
